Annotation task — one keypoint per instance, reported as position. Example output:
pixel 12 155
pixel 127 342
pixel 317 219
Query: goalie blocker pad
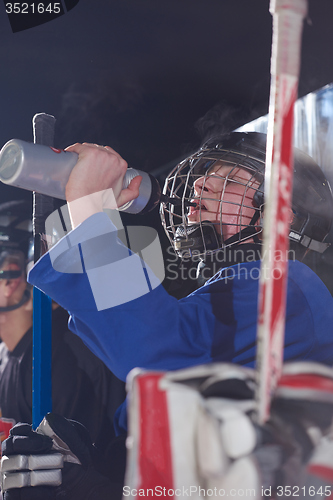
pixel 192 431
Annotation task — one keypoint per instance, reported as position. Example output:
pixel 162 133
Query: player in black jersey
pixel 83 389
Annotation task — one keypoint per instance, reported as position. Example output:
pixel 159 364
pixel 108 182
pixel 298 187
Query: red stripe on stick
pixel 287 28
pixel 284 186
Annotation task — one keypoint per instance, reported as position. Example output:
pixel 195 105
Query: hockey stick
pixel 288 18
pixel 43 128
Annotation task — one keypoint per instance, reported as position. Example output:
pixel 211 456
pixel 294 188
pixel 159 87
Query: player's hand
pixel 96 182
pixel 55 462
pixel 30 469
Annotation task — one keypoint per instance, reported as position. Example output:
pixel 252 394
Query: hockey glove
pixel 79 480
pixel 30 470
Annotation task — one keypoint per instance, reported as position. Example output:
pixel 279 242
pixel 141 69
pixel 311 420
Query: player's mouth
pixel 199 207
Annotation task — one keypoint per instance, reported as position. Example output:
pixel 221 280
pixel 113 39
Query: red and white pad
pixel 307 381
pixel 182 444
pixel 311 384
pixel 191 431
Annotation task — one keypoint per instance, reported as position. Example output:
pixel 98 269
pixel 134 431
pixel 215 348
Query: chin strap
pixel 25 297
pixel 197 238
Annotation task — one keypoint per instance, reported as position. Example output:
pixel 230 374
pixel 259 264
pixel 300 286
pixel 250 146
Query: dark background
pixel 140 75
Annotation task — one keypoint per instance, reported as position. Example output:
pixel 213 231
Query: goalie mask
pixel 16 244
pixel 218 198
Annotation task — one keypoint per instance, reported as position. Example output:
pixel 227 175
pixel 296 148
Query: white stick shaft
pixel 287 30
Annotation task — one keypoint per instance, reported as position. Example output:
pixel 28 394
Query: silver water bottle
pixel 46 170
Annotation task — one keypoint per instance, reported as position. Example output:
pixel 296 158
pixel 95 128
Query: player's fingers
pixel 80 148
pixel 131 192
pixel 108 148
pixel 94 146
pixel 100 146
pixel 73 147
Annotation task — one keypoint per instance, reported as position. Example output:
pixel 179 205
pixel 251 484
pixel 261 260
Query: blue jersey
pixel 154 330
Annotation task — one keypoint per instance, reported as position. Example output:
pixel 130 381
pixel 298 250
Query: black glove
pixel 25 449
pixel 70 439
pixel 81 481
pixel 22 439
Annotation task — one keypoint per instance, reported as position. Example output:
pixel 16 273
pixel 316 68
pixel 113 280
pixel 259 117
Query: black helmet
pixel 312 204
pixel 16 226
pixel 16 242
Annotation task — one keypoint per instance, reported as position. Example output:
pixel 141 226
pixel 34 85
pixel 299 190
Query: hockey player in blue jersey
pixel 221 207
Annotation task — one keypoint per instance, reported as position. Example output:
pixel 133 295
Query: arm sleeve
pixel 118 306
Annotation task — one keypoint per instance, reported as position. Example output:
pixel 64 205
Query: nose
pixel 206 184
pixel 200 185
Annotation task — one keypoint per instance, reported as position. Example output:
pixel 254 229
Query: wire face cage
pixel 214 200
